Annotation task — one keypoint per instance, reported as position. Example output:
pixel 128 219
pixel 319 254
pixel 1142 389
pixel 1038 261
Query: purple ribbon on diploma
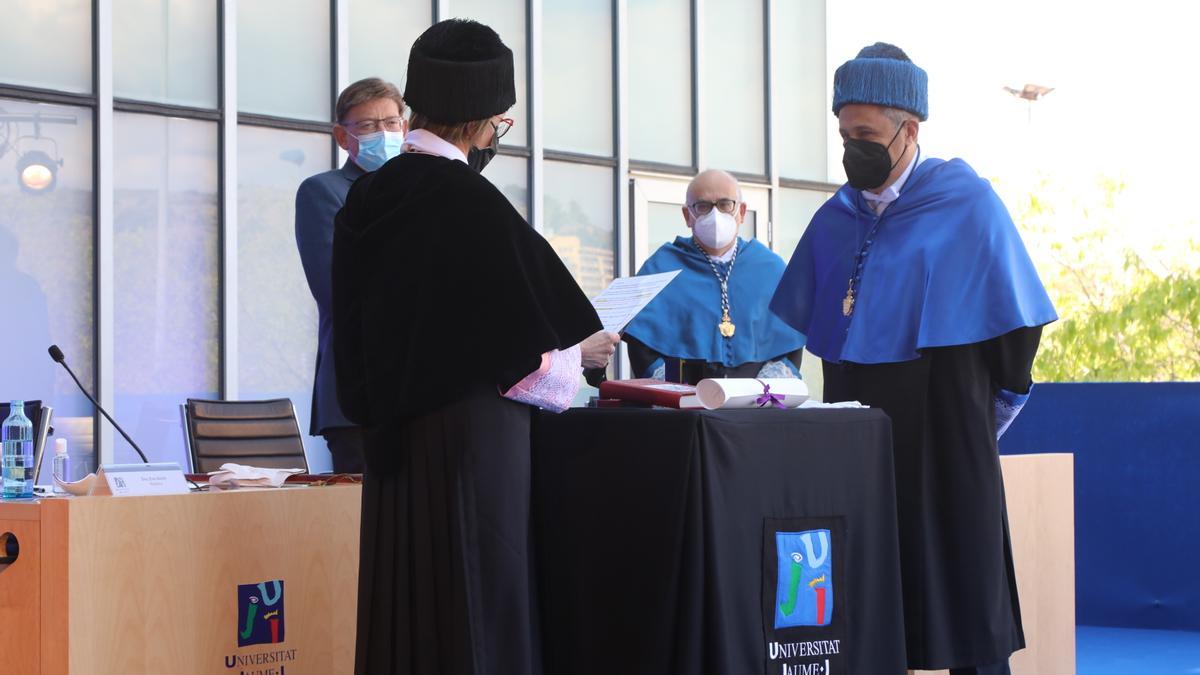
pixel 768 398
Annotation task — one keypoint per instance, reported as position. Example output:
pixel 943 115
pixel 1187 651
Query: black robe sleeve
pixel 1009 358
pixel 640 356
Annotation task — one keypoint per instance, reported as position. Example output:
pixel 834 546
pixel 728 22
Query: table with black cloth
pixel 663 534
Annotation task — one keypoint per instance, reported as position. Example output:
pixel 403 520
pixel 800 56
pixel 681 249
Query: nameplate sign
pixel 125 480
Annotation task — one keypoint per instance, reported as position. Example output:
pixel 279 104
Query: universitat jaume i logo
pixel 804 590
pixel 260 613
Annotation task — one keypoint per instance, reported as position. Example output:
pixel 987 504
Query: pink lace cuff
pixel 553 385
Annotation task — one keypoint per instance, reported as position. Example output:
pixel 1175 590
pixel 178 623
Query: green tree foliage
pixel 1126 313
pixel 1149 333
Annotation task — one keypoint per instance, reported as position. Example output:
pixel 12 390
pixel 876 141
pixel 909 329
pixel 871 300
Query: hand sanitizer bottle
pixel 62 464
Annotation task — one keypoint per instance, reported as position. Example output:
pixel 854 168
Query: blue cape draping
pixel 947 267
pixel 682 321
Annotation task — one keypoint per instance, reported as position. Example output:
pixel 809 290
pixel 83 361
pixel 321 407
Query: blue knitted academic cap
pixel 882 74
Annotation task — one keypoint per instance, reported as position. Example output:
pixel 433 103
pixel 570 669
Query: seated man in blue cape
pixel 914 288
pixel 713 317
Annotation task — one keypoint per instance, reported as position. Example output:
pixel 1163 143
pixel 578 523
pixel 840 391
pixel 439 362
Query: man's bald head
pixel 713 184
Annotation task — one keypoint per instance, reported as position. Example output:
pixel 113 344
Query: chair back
pixel 254 433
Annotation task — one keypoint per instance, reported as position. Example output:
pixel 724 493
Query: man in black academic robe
pixel 913 286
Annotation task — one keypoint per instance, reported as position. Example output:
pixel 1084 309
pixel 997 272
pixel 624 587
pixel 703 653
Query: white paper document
pixel 239 475
pixel 625 297
pixel 749 392
pixel 837 404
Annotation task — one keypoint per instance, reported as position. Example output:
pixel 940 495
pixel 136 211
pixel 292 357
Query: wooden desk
pixel 127 585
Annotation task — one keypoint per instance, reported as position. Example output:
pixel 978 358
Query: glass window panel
pixel 166 285
pixel 381 35
pixel 511 175
pixel 801 99
pixel 277 317
pixel 578 221
pixel 577 59
pixel 665 222
pixel 166 51
pixel 283 58
pixel 749 228
pixel 506 17
pixel 733 101
pixel 660 81
pixel 47 43
pixel 46 266
pixel 796 209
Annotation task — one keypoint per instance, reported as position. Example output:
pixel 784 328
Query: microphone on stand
pixel 57 355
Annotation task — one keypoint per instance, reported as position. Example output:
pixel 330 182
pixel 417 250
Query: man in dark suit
pixel 370 126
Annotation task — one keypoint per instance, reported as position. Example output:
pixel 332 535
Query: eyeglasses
pixel 702 208
pixel 502 127
pixel 370 126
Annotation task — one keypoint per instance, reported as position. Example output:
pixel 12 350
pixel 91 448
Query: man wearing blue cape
pixel 914 288
pixel 713 317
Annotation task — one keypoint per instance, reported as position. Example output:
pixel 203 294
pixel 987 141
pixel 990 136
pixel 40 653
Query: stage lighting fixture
pixel 37 172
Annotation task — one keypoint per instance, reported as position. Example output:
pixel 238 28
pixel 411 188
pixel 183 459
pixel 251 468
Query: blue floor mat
pixel 1133 651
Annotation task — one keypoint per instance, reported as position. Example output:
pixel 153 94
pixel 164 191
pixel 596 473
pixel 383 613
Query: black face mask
pixel 868 163
pixel 477 158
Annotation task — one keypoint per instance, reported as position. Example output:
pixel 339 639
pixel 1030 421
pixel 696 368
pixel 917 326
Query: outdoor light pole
pixel 1031 93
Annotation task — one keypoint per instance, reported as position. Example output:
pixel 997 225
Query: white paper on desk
pixel 240 475
pixel 837 404
pixel 744 392
pixel 625 297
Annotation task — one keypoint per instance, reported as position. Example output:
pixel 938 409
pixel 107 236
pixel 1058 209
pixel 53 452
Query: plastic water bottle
pixel 62 464
pixel 16 458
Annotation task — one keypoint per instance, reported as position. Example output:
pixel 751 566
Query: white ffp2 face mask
pixel 715 229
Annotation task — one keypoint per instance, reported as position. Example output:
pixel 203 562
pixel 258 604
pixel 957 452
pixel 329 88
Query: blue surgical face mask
pixel 374 150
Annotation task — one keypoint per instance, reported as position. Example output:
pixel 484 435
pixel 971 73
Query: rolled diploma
pixel 743 392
